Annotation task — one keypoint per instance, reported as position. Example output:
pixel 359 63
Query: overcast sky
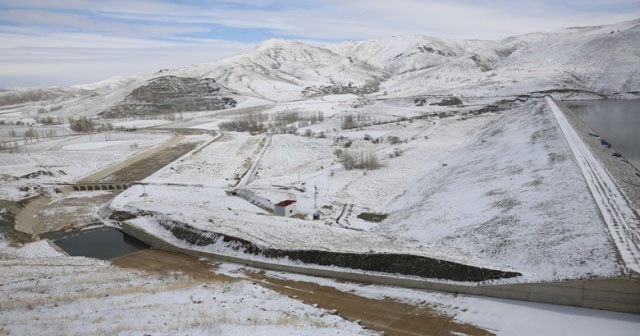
pixel 66 42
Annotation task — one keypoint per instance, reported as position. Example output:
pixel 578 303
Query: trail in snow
pixel 251 173
pixel 613 205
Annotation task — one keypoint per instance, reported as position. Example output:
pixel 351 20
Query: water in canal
pixel 104 243
pixel 617 121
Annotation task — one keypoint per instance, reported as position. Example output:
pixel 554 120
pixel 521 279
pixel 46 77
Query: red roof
pixel 285 203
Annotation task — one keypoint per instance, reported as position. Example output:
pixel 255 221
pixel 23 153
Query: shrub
pixel 450 101
pixel 83 124
pixel 31 133
pixel 372 217
pixel 394 140
pixel 363 160
pixel 49 120
pixel 287 122
pixel 348 122
pixel 252 123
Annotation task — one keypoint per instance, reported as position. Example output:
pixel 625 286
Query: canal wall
pixel 614 294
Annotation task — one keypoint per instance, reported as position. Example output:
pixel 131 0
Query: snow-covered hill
pixel 279 70
pixel 587 61
pixel 601 60
pixel 402 54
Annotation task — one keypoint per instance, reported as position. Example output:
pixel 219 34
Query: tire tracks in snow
pixel 250 175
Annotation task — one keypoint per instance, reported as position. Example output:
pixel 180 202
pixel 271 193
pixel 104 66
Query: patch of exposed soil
pixel 70 212
pixel 385 315
pixel 159 261
pixel 8 213
pixel 142 169
pixel 25 219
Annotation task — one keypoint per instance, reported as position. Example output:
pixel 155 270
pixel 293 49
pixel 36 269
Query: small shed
pixel 285 208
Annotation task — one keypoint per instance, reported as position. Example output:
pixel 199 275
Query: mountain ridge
pixel 601 61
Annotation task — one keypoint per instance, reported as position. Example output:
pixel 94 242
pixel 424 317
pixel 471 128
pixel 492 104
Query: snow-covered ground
pixel 497 190
pixel 502 317
pixel 69 158
pixel 500 190
pixel 43 292
pixel 584 62
pixel 515 196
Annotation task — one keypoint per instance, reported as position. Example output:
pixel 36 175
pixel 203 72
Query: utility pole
pixel 315 197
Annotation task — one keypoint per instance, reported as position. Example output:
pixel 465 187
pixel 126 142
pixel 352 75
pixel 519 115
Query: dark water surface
pixel 616 121
pixel 103 243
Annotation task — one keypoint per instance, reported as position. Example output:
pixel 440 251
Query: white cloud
pixel 115 37
pixel 73 58
pixel 361 19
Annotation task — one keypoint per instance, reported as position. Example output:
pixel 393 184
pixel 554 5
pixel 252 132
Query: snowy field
pixel 502 317
pixel 496 190
pixel 43 291
pixel 108 300
pixel 499 190
pixel 514 196
pixel 67 159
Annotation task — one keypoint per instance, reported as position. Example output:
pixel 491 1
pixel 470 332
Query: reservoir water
pixel 616 121
pixel 103 243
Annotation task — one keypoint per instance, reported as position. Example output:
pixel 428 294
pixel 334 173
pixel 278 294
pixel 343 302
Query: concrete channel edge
pixel 620 294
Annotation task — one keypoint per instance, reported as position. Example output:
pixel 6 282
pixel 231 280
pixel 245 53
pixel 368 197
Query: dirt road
pixel 387 315
pixel 25 221
pixel 135 159
pixel 159 261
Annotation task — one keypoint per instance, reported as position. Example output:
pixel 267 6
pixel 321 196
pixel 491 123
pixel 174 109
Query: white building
pixel 285 208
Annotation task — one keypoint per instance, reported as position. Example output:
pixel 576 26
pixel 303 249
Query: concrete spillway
pixel 101 186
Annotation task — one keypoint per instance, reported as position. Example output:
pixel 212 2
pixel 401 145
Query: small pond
pixel 103 243
pixel 617 121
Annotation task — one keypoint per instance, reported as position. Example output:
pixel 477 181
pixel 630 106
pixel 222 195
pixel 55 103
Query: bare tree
pixel 83 124
pixel 362 160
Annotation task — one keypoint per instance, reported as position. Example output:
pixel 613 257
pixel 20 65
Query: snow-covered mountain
pixel 602 60
pixel 279 70
pixel 402 54
pixel 590 61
